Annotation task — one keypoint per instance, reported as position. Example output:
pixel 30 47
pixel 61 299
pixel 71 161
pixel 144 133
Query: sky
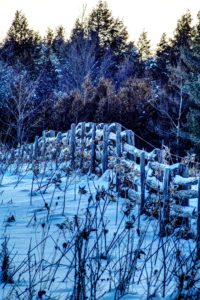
pixel 153 16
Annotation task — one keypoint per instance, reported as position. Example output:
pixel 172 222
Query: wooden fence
pixel 146 177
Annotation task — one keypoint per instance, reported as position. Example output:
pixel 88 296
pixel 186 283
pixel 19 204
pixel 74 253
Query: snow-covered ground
pixel 42 237
pixel 35 233
pixel 68 234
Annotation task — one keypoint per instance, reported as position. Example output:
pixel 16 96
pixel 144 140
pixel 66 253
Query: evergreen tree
pixel 90 100
pixel 182 36
pixel 58 43
pixel 61 115
pixel 192 60
pixel 162 59
pixel 193 116
pixel 77 107
pixel 144 46
pixel 133 97
pixel 19 30
pixel 130 65
pixel 49 37
pixel 106 110
pixel 49 68
pixel 110 32
pixel 48 76
pixel 20 42
pixel 197 27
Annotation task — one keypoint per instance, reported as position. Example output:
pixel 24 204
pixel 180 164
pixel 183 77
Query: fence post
pixel 59 138
pixel 36 148
pixel 31 154
pixel 165 212
pixel 52 133
pixel 82 142
pixel 105 148
pixel 58 146
pixel 12 156
pixel 118 140
pixel 93 148
pixel 82 132
pixel 130 136
pixel 184 172
pixel 142 181
pixel 73 143
pixel 44 143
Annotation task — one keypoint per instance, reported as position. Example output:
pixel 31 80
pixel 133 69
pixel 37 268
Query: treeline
pixel 98 75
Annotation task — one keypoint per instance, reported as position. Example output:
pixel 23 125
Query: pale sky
pixel 153 16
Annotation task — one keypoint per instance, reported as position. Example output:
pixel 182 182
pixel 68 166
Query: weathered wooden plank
pixel 105 148
pixel 82 142
pixel 50 133
pixel 93 148
pixel 136 152
pixel 73 143
pixel 179 180
pixel 43 143
pixel 165 213
pixel 142 181
pixel 130 137
pixel 59 138
pixel 36 148
pixel 118 140
pixel 184 172
pixel 183 194
pixel 158 166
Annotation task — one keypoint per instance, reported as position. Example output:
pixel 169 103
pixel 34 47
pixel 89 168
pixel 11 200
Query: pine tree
pixel 20 42
pixel 48 76
pixel 49 37
pixel 110 32
pixel 197 27
pixel 61 115
pixel 58 43
pixel 106 110
pixel 130 65
pixel 90 100
pixel 192 60
pixel 77 108
pixel 193 116
pixel 48 67
pixel 133 97
pixel 162 59
pixel 19 31
pixel 182 36
pixel 144 46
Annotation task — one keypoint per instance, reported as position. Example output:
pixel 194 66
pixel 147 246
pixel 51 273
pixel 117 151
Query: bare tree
pixel 20 107
pixel 172 109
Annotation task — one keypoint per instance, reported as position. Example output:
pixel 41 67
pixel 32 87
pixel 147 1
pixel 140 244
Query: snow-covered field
pixel 37 217
pixel 45 217
pixel 67 233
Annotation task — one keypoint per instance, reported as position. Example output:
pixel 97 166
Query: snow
pixel 179 180
pixel 27 231
pixel 45 206
pixel 17 190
